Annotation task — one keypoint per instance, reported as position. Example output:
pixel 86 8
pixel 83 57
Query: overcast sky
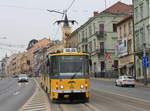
pixel 23 20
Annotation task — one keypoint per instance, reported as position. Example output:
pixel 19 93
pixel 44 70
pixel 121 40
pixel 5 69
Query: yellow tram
pixel 65 75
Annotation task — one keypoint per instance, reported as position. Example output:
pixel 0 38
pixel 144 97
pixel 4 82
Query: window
pixel 136 13
pixel 129 46
pixel 101 27
pixel 102 66
pixel 94 43
pixel 94 27
pixel 82 34
pixel 86 33
pixel 141 11
pixel 130 28
pixel 79 37
pixel 86 48
pixel 114 27
pixel 90 46
pixel 90 30
pixel 82 48
pixel 101 45
pixel 120 32
pixel 116 65
pixel 137 40
pixel 124 30
pixel 142 35
pixel 147 7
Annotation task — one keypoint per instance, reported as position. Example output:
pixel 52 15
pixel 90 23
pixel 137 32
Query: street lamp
pixel 3 37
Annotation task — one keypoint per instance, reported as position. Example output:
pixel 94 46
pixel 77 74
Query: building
pixel 2 66
pixel 125 47
pixel 71 40
pixel 98 36
pixel 34 46
pixel 11 65
pixel 141 34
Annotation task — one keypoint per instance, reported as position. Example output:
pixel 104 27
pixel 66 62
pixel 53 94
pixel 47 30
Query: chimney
pixel 95 13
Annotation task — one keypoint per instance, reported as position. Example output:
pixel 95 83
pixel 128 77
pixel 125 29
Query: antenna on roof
pixel 105 4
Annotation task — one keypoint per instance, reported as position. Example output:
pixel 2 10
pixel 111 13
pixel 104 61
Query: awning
pixel 130 65
pixel 122 66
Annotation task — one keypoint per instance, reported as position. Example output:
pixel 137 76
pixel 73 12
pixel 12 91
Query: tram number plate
pixel 71 84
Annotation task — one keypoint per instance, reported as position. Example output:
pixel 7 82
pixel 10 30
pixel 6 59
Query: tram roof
pixel 59 54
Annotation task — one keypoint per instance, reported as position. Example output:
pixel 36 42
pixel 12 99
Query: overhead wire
pixel 64 12
pixel 71 5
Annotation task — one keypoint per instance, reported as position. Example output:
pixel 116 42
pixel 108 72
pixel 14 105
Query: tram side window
pixel 54 65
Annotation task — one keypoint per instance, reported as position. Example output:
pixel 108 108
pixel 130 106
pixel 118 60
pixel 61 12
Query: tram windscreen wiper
pixel 74 75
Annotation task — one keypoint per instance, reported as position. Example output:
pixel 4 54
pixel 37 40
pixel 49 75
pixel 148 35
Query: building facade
pixel 3 65
pixel 98 37
pixel 31 60
pixel 141 34
pixel 125 47
pixel 11 65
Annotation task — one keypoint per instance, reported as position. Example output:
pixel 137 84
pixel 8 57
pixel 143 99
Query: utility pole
pixel 144 68
pixel 144 55
pixel 105 4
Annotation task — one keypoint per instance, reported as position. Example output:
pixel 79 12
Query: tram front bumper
pixel 71 91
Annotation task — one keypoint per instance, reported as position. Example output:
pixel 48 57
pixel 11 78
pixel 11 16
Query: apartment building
pixel 141 34
pixel 98 37
pixel 125 46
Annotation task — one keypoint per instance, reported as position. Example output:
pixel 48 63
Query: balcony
pixel 84 40
pixel 100 34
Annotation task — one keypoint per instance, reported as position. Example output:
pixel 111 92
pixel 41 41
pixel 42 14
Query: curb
pixel 38 101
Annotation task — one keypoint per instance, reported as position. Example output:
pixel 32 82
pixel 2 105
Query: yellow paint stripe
pixel 58 54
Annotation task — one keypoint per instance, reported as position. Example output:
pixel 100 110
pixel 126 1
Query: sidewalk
pixel 113 80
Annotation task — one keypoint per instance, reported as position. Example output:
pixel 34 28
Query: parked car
pixel 125 81
pixel 22 78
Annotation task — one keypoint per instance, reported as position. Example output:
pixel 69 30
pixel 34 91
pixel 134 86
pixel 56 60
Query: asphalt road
pixel 13 95
pixel 109 86
pixel 105 96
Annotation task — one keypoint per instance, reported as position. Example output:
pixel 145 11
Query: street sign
pixel 145 61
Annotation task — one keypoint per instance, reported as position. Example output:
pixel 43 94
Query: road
pixel 105 96
pixel 14 95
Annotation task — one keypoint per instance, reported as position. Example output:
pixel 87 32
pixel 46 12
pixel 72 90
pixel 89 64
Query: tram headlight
pixel 81 86
pixel 61 86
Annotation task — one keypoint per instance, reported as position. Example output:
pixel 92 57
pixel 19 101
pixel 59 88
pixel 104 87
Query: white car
pixel 22 78
pixel 125 81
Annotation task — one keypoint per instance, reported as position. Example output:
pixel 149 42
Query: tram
pixel 65 75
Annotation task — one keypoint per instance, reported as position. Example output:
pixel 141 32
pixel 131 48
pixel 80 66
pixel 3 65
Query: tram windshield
pixel 68 65
pixel 71 68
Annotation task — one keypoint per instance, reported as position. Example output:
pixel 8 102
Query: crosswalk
pixel 38 102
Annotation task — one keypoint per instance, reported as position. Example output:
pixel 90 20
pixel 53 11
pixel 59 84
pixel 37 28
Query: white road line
pixel 138 99
pixel 38 101
pixel 16 93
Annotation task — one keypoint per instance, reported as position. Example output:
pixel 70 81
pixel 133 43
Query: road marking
pixel 37 102
pixel 16 93
pixel 122 95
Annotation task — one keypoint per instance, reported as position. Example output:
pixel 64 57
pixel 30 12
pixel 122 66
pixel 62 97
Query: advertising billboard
pixel 122 49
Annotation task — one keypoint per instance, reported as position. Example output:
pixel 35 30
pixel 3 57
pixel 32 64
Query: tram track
pixel 89 106
pixel 75 107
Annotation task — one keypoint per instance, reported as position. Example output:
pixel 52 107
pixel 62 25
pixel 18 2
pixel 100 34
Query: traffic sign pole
pixel 144 68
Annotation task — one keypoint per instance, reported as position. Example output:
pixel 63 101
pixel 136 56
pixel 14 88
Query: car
pixel 22 78
pixel 14 76
pixel 125 81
